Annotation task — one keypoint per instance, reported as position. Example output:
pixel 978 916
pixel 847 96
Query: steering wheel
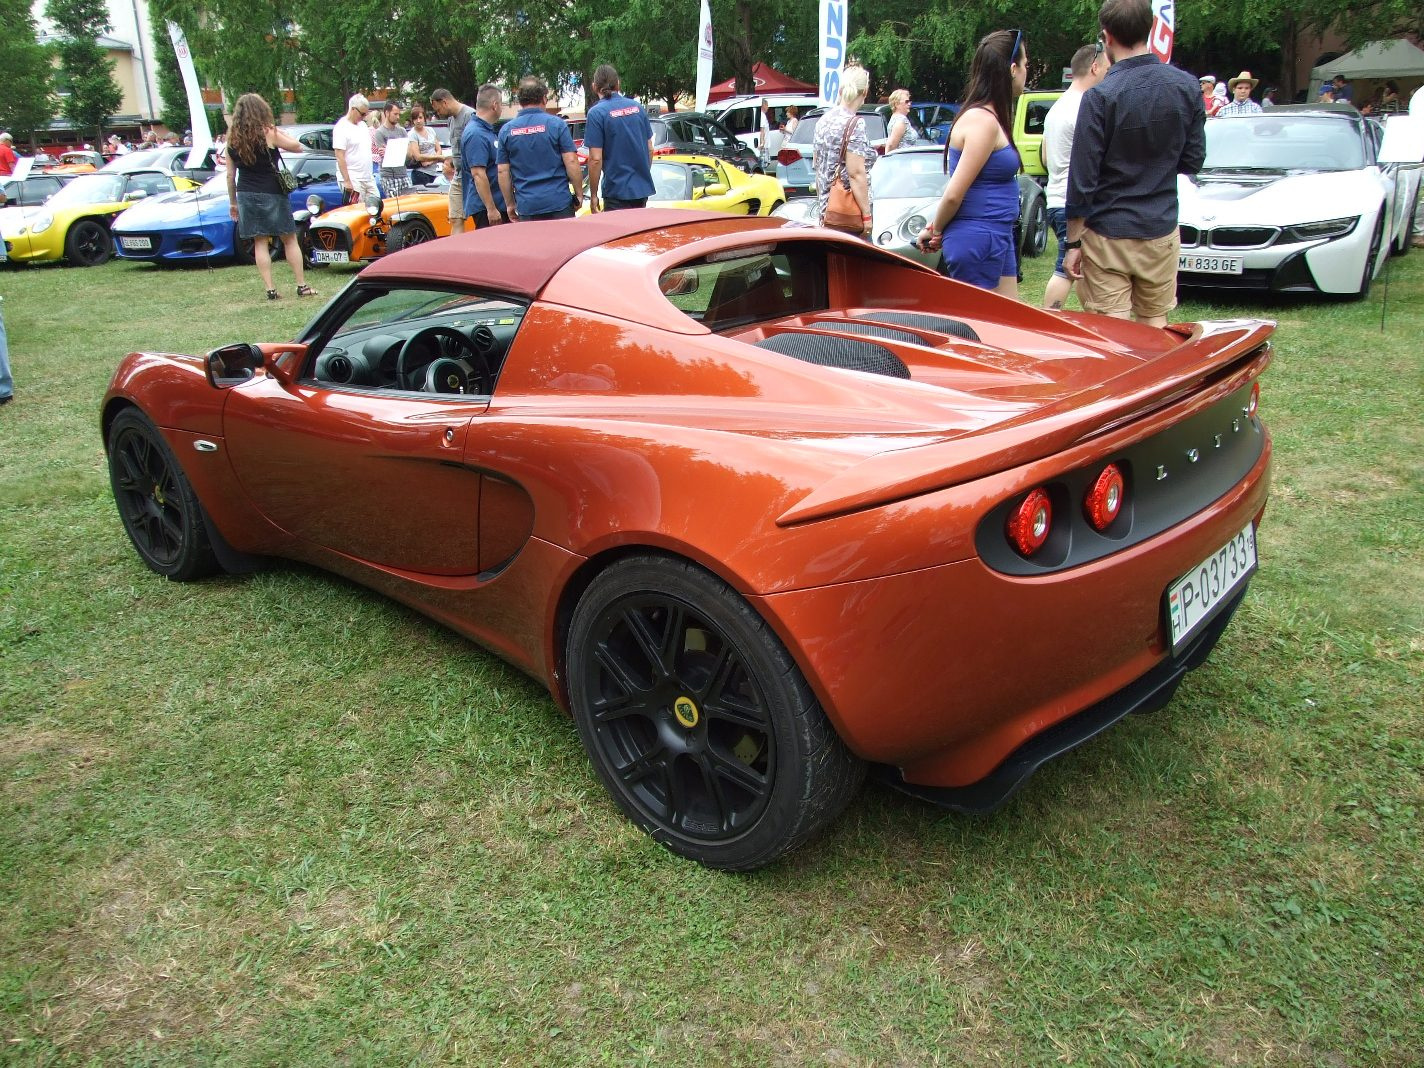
pixel 426 346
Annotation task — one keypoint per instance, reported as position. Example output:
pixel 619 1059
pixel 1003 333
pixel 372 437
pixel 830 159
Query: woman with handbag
pixel 842 159
pixel 975 218
pixel 257 187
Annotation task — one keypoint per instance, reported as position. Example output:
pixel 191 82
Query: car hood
pixel 172 209
pixel 1276 199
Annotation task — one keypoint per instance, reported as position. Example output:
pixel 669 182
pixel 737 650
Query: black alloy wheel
pixel 410 232
pixel 88 243
pixel 244 250
pixel 696 718
pixel 1037 239
pixel 156 503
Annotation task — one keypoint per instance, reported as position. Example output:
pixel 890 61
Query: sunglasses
pixel 1014 51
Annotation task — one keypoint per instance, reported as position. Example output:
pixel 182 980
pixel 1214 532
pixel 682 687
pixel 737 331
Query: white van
pixel 742 115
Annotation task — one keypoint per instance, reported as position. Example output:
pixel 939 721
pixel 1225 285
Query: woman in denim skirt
pixel 259 203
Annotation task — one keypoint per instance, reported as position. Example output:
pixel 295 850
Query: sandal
pixel 272 294
pixel 305 291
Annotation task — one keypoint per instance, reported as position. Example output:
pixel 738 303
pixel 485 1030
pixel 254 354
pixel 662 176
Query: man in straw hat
pixel 1241 102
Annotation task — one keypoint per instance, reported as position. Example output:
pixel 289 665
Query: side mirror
pixel 303 180
pixel 716 189
pixel 283 361
pixel 233 365
pixel 135 194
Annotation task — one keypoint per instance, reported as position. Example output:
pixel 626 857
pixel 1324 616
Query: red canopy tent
pixel 766 79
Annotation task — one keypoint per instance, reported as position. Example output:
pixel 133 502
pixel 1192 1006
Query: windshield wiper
pixel 1242 170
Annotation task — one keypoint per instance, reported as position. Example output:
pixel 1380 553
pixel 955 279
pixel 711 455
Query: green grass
pixel 278 819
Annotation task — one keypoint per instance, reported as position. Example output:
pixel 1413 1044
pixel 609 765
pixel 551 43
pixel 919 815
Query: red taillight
pixel 1104 500
pixel 1030 523
pixel 787 156
pixel 1255 401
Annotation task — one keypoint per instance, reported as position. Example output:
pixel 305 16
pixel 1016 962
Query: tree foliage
pixel 26 89
pixel 86 73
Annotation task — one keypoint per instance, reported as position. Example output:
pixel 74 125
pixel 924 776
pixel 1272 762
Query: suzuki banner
pixel 834 33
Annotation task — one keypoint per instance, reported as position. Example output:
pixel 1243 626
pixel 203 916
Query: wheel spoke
pixel 659 648
pixel 618 671
pixel 737 773
pixel 720 700
pixel 713 782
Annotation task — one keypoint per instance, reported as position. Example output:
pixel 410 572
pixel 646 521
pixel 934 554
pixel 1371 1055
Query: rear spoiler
pixel 1226 354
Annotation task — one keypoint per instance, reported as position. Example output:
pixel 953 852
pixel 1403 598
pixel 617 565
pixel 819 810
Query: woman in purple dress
pixel 975 217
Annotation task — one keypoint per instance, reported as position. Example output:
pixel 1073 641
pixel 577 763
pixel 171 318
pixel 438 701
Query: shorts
pixel 1122 274
pixel 264 215
pixel 612 204
pixel 395 183
pixel 362 188
pixel 980 253
pixel 1058 219
pixel 457 204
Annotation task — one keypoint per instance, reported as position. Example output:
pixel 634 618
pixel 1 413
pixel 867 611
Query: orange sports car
pixel 357 233
pixel 764 507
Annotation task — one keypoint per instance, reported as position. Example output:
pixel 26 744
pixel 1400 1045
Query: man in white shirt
pixel 351 141
pixel 1088 66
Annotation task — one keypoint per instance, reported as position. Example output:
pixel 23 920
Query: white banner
pixel 834 30
pixel 197 114
pixel 704 57
pixel 1164 29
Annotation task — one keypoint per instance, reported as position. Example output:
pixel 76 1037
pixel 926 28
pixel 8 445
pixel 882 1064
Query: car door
pixel 364 468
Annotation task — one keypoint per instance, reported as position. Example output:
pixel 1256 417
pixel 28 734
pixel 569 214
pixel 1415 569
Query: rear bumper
pixel 1141 696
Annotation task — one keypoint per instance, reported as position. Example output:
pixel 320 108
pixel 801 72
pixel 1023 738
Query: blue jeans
pixel 1059 221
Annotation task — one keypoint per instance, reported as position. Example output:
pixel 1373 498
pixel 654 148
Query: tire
pixel 156 503
pixel 88 244
pixel 242 250
pixel 1369 272
pixel 697 720
pixel 1407 235
pixel 1037 238
pixel 410 232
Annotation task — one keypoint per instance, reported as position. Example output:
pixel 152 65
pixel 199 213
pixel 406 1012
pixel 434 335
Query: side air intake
pixel 838 352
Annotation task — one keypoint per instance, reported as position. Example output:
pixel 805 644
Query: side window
pixel 319 168
pixel 738 119
pixel 763 282
pixel 421 341
pixel 152 184
pixel 1036 116
pixel 718 135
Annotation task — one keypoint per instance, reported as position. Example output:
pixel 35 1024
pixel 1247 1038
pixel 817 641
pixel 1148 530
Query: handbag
pixel 842 209
pixel 285 178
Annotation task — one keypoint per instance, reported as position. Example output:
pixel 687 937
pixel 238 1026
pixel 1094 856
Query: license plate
pixel 1194 598
pixel 322 255
pixel 138 244
pixel 1191 261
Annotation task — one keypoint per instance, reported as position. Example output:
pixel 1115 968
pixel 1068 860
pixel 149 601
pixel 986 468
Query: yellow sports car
pixel 355 233
pixel 710 185
pixel 73 225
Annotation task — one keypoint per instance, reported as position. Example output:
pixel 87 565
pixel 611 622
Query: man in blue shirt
pixel 538 170
pixel 479 161
pixel 1140 127
pixel 619 139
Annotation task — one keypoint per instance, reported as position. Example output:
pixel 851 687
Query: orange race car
pixel 358 233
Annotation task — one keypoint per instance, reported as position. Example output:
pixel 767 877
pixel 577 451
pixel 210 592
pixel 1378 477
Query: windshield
pixel 671 181
pixel 908 174
pixel 90 189
pixel 1285 143
pixel 805 132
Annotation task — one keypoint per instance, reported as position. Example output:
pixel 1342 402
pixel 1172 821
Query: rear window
pixel 805 131
pixel 749 284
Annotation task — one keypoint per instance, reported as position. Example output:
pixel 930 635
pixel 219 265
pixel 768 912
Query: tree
pixel 26 94
pixel 85 71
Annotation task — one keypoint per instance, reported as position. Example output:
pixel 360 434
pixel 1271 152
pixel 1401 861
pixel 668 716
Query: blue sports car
pixel 198 225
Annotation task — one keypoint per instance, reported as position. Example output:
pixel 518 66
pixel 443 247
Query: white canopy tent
pixel 1378 59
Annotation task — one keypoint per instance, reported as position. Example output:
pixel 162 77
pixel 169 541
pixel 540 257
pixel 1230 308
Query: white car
pixel 905 187
pixel 1293 200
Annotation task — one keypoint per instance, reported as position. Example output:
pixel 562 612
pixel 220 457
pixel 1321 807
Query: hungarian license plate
pixel 322 255
pixel 1194 598
pixel 137 244
pixel 1199 264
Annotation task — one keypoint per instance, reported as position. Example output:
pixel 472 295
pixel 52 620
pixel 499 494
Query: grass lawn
pixel 278 819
